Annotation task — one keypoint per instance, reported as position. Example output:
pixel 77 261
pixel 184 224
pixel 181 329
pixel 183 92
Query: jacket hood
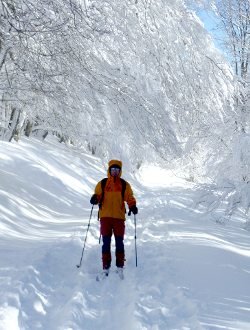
pixel 115 162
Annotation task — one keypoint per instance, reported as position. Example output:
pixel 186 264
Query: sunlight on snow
pixel 210 240
pixel 155 176
pixel 9 318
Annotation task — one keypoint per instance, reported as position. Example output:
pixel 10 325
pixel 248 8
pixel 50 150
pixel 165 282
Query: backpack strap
pixel 124 184
pixel 103 184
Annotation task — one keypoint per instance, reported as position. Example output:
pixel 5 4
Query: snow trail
pixel 192 273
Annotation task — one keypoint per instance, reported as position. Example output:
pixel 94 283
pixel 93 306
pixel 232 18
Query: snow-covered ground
pixel 192 273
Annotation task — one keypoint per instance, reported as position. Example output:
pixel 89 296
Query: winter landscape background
pixel 85 81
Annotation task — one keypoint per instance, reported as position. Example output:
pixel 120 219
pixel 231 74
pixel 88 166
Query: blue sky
pixel 211 23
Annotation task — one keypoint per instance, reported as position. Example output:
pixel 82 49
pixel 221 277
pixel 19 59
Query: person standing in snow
pixel 110 194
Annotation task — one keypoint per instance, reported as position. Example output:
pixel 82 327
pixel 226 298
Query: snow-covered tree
pixel 159 83
pixel 144 74
pixel 232 173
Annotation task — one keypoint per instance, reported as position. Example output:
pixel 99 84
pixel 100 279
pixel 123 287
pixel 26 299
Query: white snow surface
pixel 192 273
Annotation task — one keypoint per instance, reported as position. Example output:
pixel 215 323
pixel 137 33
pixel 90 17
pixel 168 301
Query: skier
pixel 110 194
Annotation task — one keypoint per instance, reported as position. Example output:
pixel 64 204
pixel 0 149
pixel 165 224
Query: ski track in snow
pixel 191 274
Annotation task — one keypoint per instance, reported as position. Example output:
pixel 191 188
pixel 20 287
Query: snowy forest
pixel 144 81
pixel 141 79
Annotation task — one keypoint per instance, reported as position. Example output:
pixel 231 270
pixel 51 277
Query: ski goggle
pixel 115 170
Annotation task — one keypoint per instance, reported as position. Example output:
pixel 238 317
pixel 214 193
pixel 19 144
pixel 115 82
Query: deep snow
pixel 192 272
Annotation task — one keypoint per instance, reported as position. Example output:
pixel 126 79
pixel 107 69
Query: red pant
pixel 111 226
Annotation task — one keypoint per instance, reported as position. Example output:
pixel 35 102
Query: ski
pixel 102 275
pixel 119 271
pixel 105 273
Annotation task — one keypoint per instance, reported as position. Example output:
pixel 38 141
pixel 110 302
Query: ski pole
pixel 100 236
pixel 78 266
pixel 129 213
pixel 135 242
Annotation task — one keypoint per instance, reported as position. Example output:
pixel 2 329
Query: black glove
pixel 133 209
pixel 94 199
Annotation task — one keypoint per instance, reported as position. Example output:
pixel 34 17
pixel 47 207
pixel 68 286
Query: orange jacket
pixel 113 205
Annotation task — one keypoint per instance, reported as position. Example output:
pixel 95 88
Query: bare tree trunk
pixel 13 125
pixel 28 128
